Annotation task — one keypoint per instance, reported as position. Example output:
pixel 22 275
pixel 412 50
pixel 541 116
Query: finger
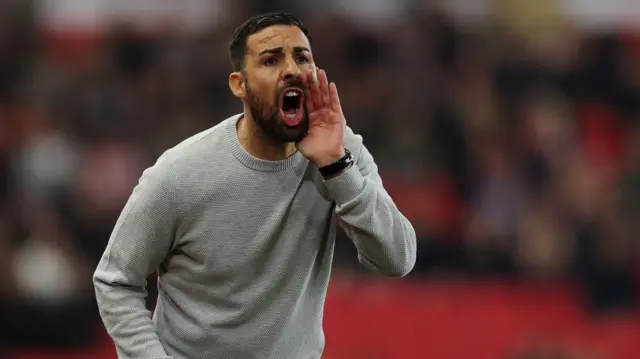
pixel 311 92
pixel 308 96
pixel 335 99
pixel 324 88
pixel 314 89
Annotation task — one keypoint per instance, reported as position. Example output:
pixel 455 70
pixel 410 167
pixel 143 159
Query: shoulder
pixel 198 151
pixel 203 147
pixel 199 144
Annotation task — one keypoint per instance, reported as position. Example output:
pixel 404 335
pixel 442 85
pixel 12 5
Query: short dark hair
pixel 238 43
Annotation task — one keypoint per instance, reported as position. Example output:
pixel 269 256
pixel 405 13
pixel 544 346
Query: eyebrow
pixel 278 50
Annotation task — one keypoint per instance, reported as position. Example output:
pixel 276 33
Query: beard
pixel 268 116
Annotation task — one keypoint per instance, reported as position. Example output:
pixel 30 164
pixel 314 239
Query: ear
pixel 237 84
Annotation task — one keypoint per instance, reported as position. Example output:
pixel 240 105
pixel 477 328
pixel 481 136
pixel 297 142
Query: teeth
pixel 291 115
pixel 291 94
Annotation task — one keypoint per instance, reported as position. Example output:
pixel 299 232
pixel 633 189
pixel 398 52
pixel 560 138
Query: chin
pixel 293 134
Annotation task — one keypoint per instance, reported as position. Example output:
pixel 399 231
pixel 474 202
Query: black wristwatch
pixel 339 165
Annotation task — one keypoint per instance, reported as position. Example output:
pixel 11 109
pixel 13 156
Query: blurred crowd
pixel 513 146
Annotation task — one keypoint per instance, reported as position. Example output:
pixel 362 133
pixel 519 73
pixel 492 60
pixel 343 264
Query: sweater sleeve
pixel 384 238
pixel 140 241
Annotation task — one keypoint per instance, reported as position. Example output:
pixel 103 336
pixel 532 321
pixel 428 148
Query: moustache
pixel 294 83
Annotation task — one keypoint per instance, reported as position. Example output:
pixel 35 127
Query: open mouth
pixel 291 106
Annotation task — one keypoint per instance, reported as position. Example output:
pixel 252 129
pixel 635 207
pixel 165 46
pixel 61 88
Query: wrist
pixel 330 158
pixel 336 167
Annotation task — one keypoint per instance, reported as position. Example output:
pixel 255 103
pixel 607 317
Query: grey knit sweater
pixel 243 250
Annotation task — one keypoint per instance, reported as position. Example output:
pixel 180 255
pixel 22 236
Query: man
pixel 239 220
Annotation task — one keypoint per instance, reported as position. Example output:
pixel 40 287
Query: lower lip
pixel 294 120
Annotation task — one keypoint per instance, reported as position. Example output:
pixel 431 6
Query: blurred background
pixel 506 130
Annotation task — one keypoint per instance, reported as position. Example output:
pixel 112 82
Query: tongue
pixel 292 117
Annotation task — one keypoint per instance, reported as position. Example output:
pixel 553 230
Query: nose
pixel 291 70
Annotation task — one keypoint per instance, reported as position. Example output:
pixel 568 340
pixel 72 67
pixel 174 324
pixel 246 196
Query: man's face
pixel 275 59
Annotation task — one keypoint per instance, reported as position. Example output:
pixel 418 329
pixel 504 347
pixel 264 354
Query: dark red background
pixel 401 319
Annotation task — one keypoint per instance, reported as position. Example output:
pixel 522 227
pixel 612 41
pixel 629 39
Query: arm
pixel 140 240
pixel 384 238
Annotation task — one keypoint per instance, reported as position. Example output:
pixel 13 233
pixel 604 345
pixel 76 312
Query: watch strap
pixel 337 166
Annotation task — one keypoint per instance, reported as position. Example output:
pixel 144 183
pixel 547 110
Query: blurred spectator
pixel 509 136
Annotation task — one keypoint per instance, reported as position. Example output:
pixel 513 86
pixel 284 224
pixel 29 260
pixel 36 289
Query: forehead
pixel 285 36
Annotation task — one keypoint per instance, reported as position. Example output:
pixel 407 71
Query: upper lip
pixel 294 89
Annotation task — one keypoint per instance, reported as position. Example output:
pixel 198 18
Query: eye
pixel 302 59
pixel 270 61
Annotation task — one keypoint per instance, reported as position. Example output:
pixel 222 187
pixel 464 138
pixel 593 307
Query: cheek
pixel 265 89
pixel 264 99
pixel 267 98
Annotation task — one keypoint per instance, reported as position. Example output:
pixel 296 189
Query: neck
pixel 260 145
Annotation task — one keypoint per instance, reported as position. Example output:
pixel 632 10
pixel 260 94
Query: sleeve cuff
pixel 346 186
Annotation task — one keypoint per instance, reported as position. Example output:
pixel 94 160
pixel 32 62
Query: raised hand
pixel 323 144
